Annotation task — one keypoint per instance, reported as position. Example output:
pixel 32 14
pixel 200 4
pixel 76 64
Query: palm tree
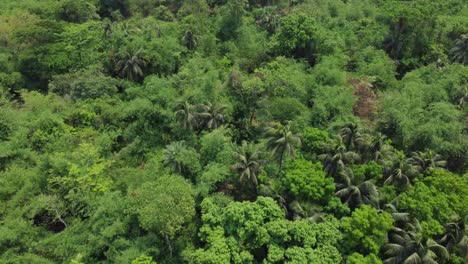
pixel 461 97
pixel 108 27
pixel 463 246
pixel 454 235
pixel 171 158
pixel 212 116
pixel 355 191
pixel 460 51
pixel 128 29
pixel 280 141
pixel 269 19
pixel 400 172
pixel 186 114
pixel 410 247
pixel 402 219
pixel 336 157
pixel 131 65
pixel 273 188
pixel 190 40
pixel 377 146
pixel 311 212
pixel 352 136
pixel 428 160
pixel 248 162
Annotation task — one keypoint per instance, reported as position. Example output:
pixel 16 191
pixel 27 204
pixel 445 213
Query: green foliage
pixel 314 140
pixel 140 44
pixel 212 176
pixel 368 171
pixel 365 230
pixel 231 19
pixel 165 205
pixel 331 98
pixel 357 258
pixel 148 7
pixel 61 47
pixel 277 81
pixel 235 232
pixel 216 147
pixel 376 64
pixel 449 28
pixel 144 131
pixel 77 11
pixel 144 260
pixel 41 36
pixel 434 199
pixel 84 85
pixel 9 23
pixel 337 208
pixel 250 48
pixel 284 109
pixel 429 94
pixel 410 39
pixel 48 132
pixel 306 181
pixel 302 37
pixel 82 169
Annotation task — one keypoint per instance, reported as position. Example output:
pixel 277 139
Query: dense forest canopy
pixel 233 131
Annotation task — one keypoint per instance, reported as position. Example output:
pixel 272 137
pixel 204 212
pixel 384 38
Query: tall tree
pixel 355 191
pixel 435 198
pixel 165 205
pixel 461 97
pixel 181 159
pixel 428 160
pixel 377 146
pixel 282 141
pixel 269 18
pixel 211 115
pixel 256 232
pixel 190 40
pixel 131 64
pixel 248 162
pixel 365 230
pixel 171 159
pixel 336 157
pixel 454 234
pixel 306 181
pixel 232 13
pixel 460 50
pixel 411 247
pixel 352 136
pixel 300 35
pixel 401 172
pixel 402 219
pixel 186 114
